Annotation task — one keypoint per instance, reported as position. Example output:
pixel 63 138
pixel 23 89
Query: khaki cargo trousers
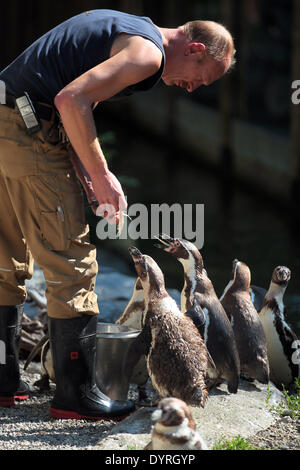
pixel 42 219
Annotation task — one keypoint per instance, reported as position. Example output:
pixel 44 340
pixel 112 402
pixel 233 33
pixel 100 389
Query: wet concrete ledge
pixel 224 416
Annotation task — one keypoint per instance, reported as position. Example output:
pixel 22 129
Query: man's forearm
pixel 77 118
pixel 79 124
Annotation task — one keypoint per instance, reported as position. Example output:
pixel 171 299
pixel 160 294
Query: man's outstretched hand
pixel 104 191
pixel 110 196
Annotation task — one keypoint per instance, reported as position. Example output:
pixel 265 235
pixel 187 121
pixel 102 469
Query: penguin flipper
pixel 197 315
pixel 289 334
pixel 43 384
pixel 37 348
pixel 257 295
pixel 290 341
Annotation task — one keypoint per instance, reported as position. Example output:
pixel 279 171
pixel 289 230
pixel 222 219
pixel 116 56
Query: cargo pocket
pixel 54 231
pixel 73 201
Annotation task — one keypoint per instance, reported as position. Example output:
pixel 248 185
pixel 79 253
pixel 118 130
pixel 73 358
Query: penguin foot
pixel 151 403
pixel 247 378
pixel 43 384
pixel 212 384
pixel 143 397
pixel 146 401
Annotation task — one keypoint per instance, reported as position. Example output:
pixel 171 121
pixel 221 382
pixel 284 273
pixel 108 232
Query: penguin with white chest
pixel 281 339
pixel 200 302
pixel 134 310
pixel 174 427
pixel 248 330
pixel 177 359
pixel 133 317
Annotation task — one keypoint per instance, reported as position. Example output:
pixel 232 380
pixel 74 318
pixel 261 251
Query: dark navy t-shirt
pixel 72 48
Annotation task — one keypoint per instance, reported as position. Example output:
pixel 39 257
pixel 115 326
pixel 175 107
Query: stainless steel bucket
pixel 113 347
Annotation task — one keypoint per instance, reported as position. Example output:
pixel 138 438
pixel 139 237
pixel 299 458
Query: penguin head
pixel 181 249
pixel 281 275
pixel 140 262
pixel 147 269
pixel 172 412
pixel 241 275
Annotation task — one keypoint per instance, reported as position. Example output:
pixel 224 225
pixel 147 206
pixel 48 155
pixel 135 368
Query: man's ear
pixel 195 48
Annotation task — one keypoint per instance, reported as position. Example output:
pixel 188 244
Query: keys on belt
pixel 31 113
pixel 28 114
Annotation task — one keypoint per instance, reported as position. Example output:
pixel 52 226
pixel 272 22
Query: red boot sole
pixel 21 397
pixel 63 414
pixel 11 401
pixel 7 401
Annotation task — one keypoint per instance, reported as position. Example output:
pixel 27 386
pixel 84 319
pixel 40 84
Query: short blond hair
pixel 216 38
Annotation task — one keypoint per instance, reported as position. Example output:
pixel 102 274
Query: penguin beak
pixel 165 242
pixel 137 256
pixel 284 274
pixel 134 252
pixel 281 275
pixel 168 416
pixel 156 415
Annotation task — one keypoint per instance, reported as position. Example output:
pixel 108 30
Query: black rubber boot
pixel 73 348
pixel 12 388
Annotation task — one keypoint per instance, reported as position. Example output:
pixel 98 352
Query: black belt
pixel 43 111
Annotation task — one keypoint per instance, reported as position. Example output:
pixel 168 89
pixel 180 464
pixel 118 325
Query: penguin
pixel 133 317
pixel 178 362
pixel 281 339
pixel 174 427
pixel 247 327
pixel 47 370
pixel 257 295
pixel 200 302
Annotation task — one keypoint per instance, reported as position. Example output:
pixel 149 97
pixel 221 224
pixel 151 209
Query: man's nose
pixel 193 86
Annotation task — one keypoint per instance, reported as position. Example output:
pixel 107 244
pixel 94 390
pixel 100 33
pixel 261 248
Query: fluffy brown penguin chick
pixel 199 301
pixel 248 330
pixel 177 358
pixel 174 427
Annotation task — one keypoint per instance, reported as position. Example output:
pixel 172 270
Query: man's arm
pixel 134 60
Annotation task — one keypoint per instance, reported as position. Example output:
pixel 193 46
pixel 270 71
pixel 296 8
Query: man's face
pixel 197 70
